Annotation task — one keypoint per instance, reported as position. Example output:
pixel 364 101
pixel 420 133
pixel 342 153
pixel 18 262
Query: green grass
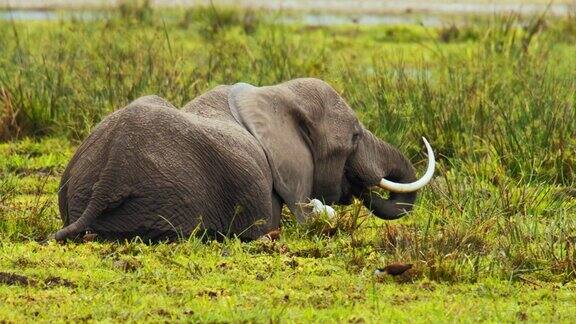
pixel 492 238
pixel 251 282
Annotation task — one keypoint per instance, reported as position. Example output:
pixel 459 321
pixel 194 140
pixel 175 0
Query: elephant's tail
pixel 100 199
pixel 81 224
pixel 108 185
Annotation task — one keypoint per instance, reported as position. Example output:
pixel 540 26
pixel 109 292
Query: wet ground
pixel 12 279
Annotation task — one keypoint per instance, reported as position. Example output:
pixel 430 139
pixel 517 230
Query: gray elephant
pixel 227 162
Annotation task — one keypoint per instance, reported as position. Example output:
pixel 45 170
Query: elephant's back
pixel 152 135
pixel 121 128
pixel 211 114
pixel 163 163
pixel 212 104
pixel 176 139
pixel 86 165
pixel 197 171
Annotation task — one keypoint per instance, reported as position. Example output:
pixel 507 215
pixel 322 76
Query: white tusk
pixel 410 187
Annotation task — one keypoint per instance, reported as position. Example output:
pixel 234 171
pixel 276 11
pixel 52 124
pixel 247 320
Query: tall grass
pixel 503 91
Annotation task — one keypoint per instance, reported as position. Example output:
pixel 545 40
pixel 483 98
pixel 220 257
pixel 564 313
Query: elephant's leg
pixel 72 204
pixel 251 212
pixel 63 199
pixel 145 217
pixel 88 196
pixel 276 211
pixel 274 232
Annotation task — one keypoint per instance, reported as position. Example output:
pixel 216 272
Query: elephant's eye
pixel 355 137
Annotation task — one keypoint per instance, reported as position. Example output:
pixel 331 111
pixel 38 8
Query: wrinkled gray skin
pixel 225 163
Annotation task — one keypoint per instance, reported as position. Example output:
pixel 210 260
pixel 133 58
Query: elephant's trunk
pixel 377 163
pixel 400 171
pixel 402 192
pixel 416 185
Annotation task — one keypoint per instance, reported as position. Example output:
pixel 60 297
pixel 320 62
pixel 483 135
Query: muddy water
pixel 364 19
pixel 306 19
pixel 558 7
pixel 408 6
pixel 31 15
pixel 319 12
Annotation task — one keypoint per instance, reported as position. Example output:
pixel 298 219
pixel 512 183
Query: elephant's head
pixel 317 148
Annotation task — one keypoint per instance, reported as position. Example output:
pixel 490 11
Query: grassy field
pixel 492 238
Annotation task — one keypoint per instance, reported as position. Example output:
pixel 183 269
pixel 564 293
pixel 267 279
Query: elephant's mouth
pixel 351 187
pixel 393 207
pixel 346 199
pixel 402 193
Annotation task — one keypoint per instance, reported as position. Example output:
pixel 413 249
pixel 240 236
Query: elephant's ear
pixel 272 115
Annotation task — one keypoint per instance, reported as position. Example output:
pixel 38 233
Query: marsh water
pixel 316 13
pixel 31 15
pixel 312 19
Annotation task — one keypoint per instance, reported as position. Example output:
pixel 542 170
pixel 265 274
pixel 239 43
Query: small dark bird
pixel 394 269
pixel 89 237
pixel 273 235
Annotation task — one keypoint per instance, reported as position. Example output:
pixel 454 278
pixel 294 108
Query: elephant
pixel 227 162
